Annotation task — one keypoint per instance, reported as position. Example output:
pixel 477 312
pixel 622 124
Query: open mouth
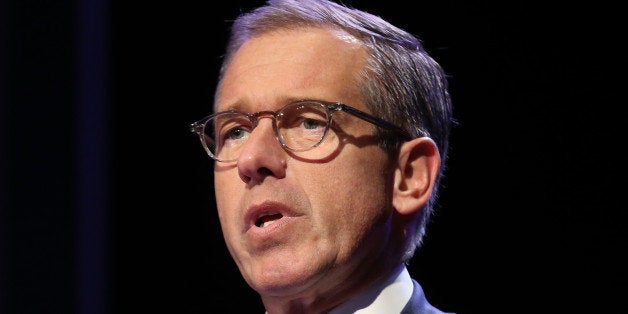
pixel 267 219
pixel 268 214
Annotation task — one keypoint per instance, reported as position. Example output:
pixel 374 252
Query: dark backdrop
pixel 106 201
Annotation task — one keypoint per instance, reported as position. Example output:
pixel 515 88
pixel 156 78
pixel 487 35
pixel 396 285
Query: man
pixel 329 137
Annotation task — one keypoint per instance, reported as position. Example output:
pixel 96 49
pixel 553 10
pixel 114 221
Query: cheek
pixel 220 194
pixel 348 198
pixel 227 186
pixel 361 178
pixel 226 195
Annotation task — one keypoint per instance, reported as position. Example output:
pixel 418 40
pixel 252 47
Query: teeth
pixel 267 219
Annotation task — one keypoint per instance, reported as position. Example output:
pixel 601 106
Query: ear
pixel 418 164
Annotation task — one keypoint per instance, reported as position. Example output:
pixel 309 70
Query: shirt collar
pixel 389 295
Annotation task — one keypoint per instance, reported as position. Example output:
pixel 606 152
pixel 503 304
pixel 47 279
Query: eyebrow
pixel 244 106
pixel 238 105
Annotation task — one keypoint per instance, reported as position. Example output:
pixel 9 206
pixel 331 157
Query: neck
pixel 325 299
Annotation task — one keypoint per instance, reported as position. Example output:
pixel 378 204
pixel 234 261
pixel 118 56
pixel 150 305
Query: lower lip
pixel 274 230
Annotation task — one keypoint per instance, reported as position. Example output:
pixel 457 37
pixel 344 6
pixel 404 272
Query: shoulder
pixel 419 304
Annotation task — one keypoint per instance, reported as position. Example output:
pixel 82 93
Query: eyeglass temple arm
pixel 367 117
pixel 197 127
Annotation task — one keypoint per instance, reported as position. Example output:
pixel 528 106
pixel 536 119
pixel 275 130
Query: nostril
pixel 260 158
pixel 246 179
pixel 261 173
pixel 264 172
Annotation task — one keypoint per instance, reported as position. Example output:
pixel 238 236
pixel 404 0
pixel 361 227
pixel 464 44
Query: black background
pixel 529 215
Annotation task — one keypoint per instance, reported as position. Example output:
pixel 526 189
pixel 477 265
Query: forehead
pixel 274 68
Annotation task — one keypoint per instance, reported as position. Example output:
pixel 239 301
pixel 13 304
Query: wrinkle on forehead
pixel 293 63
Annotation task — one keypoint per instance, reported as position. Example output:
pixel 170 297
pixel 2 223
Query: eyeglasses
pixel 299 127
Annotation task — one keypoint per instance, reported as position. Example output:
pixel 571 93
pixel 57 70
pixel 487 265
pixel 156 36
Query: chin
pixel 281 283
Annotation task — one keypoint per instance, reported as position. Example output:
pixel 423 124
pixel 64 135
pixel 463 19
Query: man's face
pixel 327 222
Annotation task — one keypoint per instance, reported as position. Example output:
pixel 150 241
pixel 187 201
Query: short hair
pixel 401 82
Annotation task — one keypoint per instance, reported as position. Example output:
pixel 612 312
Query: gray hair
pixel 401 83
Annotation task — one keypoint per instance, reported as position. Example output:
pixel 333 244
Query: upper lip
pixel 254 212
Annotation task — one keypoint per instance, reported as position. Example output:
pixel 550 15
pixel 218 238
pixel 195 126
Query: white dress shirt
pixel 388 296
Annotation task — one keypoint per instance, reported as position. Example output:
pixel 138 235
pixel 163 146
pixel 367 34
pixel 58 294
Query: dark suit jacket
pixel 418 303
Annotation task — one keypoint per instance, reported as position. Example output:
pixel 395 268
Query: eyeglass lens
pixel 299 127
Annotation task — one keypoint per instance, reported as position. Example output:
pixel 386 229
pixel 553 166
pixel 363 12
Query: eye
pixel 232 130
pixel 302 126
pixel 236 133
pixel 313 124
pixel 302 118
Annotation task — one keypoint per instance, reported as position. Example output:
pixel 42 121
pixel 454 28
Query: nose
pixel 262 155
